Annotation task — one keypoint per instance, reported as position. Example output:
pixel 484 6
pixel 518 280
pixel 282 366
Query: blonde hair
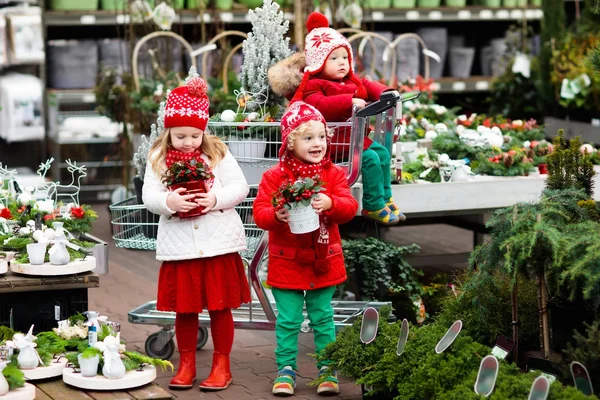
pixel 301 130
pixel 212 146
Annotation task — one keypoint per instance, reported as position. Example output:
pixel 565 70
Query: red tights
pixel 221 329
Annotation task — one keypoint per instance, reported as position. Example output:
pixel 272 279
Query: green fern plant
pixel 14 376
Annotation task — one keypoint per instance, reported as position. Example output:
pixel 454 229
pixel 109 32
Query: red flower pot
pixel 543 168
pixel 192 187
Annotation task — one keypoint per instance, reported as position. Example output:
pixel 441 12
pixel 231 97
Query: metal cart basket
pixel 261 312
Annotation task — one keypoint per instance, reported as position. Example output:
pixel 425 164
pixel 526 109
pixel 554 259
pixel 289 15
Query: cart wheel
pixel 202 337
pixel 153 349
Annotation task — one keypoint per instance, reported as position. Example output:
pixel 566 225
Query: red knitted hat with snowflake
pixel 297 114
pixel 188 105
pixel 319 43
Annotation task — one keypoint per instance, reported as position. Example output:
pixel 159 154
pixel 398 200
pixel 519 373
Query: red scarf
pixel 300 169
pixel 320 237
pixel 174 156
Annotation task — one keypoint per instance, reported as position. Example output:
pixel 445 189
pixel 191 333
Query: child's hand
pixel 208 200
pixel 360 103
pixel 321 203
pixel 181 203
pixel 282 215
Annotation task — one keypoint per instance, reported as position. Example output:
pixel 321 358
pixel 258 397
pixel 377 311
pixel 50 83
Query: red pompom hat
pixel 297 114
pixel 320 42
pixel 188 105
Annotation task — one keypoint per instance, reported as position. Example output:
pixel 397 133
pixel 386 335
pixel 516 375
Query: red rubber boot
pixel 220 373
pixel 186 332
pixel 221 329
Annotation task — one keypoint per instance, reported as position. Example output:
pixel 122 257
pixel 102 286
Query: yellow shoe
pixel 285 383
pixel 330 386
pixel 394 208
pixel 384 216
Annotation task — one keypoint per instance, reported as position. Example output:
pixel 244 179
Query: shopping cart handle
pixel 387 101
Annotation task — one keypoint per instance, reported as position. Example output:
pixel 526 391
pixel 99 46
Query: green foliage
pixel 592 61
pixel 105 331
pixel 420 373
pixel 554 237
pixel 568 167
pixel 147 99
pixel 76 318
pixel 503 164
pixel 14 376
pixel 586 351
pixel 514 96
pixel 140 359
pixel 553 31
pixel 18 244
pixel 483 303
pixel 382 266
pixel 91 352
pixel 567 64
pixel 451 144
pixel 6 333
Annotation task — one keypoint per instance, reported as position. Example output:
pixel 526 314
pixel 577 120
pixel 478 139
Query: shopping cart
pixel 261 312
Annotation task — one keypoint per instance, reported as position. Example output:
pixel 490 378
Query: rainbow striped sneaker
pixel 395 210
pixel 285 382
pixel 385 216
pixel 330 386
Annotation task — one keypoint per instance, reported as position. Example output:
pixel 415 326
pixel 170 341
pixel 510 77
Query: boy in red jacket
pixel 330 85
pixel 304 268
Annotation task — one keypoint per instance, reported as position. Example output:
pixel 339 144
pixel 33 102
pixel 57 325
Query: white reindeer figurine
pixel 7 175
pixel 248 100
pixel 47 189
pixel 70 193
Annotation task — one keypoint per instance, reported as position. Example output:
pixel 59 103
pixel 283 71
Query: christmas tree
pixel 264 46
pixel 568 167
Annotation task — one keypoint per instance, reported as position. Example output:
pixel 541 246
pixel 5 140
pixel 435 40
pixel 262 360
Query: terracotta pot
pixel 543 168
pixel 192 187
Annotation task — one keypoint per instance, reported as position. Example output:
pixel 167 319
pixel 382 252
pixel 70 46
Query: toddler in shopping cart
pixel 201 267
pixel 330 85
pixel 304 268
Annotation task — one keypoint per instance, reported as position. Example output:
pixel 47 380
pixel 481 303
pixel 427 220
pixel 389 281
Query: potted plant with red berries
pixel 296 196
pixel 193 175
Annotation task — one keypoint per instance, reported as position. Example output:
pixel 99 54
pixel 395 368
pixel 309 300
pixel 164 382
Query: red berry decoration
pixel 197 87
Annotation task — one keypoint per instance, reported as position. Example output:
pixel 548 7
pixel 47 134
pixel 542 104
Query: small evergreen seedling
pixel 568 167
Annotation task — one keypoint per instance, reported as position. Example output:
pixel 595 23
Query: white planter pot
pixel 36 253
pixel 3 384
pixel 88 366
pixel 248 150
pixel 303 219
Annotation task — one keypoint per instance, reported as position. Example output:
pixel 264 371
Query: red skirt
pixel 213 283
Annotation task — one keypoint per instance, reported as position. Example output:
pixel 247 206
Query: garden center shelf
pixel 74 18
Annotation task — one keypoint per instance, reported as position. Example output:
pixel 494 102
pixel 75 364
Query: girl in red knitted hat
pixel 330 85
pixel 201 268
pixel 304 268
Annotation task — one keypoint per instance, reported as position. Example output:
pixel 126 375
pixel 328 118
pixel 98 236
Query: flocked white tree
pixel 265 46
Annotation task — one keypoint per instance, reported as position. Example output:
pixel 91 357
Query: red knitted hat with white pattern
pixel 319 43
pixel 188 105
pixel 297 114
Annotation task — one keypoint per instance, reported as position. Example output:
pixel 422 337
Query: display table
pixel 57 389
pixel 42 300
pixel 462 204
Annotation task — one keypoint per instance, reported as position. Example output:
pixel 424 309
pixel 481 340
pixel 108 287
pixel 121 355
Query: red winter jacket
pixel 334 100
pixel 292 257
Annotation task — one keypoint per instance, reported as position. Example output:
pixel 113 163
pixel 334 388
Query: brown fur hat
pixel 285 76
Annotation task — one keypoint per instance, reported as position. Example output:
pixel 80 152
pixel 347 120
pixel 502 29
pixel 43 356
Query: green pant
pixel 290 304
pixel 376 177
